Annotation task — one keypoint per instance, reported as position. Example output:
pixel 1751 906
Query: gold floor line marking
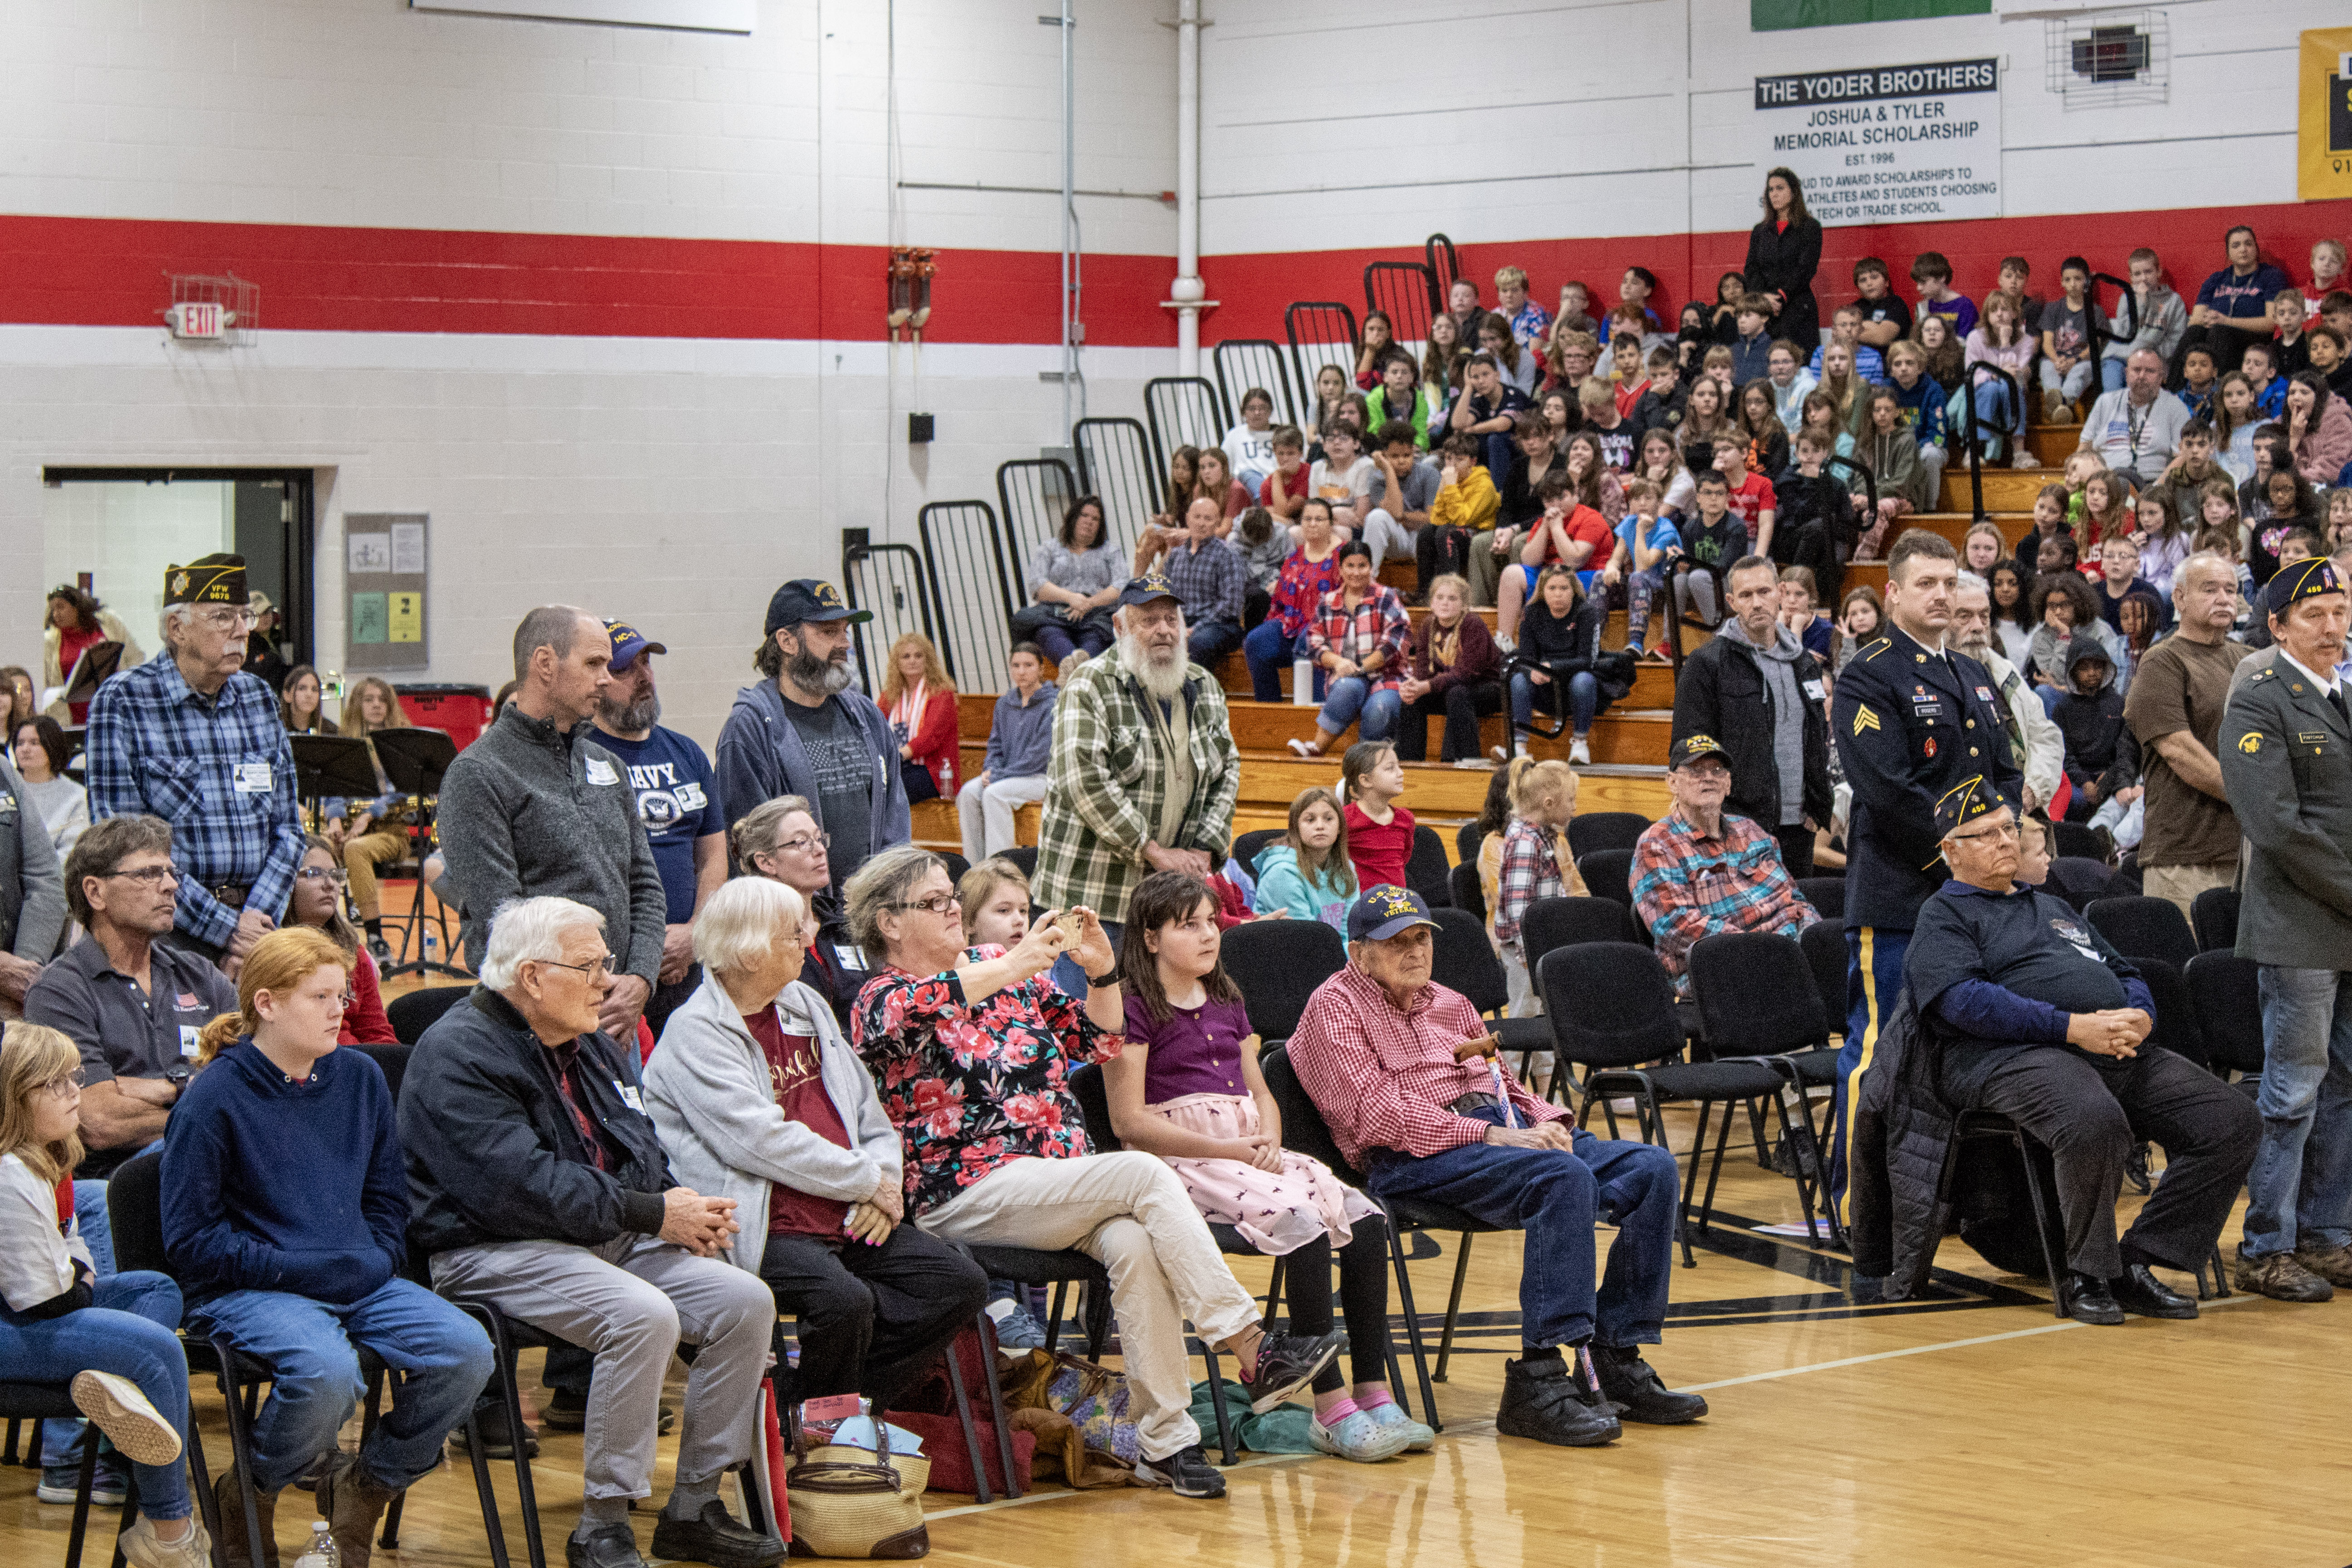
pixel 1068 1491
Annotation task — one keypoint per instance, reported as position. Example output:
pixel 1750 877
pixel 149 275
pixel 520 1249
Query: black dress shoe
pixel 2137 1290
pixel 490 1420
pixel 2089 1301
pixel 1541 1401
pixel 713 1536
pixel 1633 1385
pixel 615 1546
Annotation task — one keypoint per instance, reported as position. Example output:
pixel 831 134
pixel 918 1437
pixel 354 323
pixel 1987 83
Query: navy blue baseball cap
pixel 1145 589
pixel 805 599
pixel 1384 912
pixel 627 644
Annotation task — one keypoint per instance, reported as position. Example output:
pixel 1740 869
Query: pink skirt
pixel 1277 1212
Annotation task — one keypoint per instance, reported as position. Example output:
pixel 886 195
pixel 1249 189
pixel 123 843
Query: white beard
pixel 1163 677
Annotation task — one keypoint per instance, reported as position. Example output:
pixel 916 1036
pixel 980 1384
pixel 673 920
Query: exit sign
pixel 200 320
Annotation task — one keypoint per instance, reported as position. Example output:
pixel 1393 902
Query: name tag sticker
pixel 253 779
pixel 602 772
pixel 629 1094
pixel 850 956
pixel 188 1033
pixel 2309 738
pixel 1813 690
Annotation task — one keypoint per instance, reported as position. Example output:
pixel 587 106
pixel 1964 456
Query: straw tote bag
pixel 847 1502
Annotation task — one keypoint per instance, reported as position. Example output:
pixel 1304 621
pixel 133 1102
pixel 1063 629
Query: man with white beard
pixel 802 731
pixel 2033 737
pixel 1144 769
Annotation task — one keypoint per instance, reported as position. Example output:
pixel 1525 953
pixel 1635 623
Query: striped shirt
pixel 1687 886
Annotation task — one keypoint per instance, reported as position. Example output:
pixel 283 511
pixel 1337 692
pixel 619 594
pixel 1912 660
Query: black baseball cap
pixel 2300 579
pixel 805 599
pixel 1691 747
pixel 1966 801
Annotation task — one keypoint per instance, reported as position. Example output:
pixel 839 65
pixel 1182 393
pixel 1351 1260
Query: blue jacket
pixel 269 1184
pixel 1021 734
pixel 1923 407
pixel 1282 886
pixel 760 758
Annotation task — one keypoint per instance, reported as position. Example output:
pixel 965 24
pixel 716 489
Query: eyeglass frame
pixel 73 1080
pixel 152 876
pixel 823 841
pixel 333 874
pixel 939 903
pixel 610 964
pixel 221 618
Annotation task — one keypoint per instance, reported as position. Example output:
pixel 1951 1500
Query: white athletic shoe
pixel 116 1407
pixel 1579 752
pixel 142 1546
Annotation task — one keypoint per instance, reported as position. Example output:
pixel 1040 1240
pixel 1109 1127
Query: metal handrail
pixel 1978 372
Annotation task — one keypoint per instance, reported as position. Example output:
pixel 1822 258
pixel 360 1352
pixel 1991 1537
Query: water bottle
pixel 428 946
pixel 320 1553
pixel 1302 683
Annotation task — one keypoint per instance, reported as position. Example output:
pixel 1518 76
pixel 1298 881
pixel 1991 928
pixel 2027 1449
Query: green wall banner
pixel 1773 16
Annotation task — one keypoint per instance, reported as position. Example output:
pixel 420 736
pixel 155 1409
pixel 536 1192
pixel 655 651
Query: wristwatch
pixel 1095 981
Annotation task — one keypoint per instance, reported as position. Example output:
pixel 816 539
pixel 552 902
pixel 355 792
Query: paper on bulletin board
pixel 369 552
pixel 2324 147
pixel 368 618
pixel 407 618
pixel 407 549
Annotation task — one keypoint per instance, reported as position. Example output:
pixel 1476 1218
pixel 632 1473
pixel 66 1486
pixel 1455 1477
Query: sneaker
pixel 1287 1362
pixel 1507 644
pixel 1633 1385
pixel 1540 1401
pixel 2333 1264
pixel 1357 1437
pixel 714 1536
pixel 1072 665
pixel 1418 1437
pixel 116 1407
pixel 2282 1277
pixel 1579 753
pixel 2024 459
pixel 140 1546
pixel 1020 1330
pixel 1303 748
pixel 1480 763
pixel 381 952
pixel 62 1483
pixel 1186 1472
pixel 1657 655
pixel 2053 406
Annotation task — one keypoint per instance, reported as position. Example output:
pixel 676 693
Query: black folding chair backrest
pixel 393 1059
pixel 1094 1104
pixel 1277 964
pixel 1468 892
pixel 1551 923
pixel 1303 1127
pixel 1466 840
pixel 957 866
pixel 2177 1028
pixel 1426 872
pixel 2226 992
pixel 1608 874
pixel 2077 839
pixel 135 1209
pixel 2079 881
pixel 1604 831
pixel 1247 845
pixel 1755 993
pixel 1823 943
pixel 411 1015
pixel 1610 1005
pixel 1023 855
pixel 2144 927
pixel 1466 960
pixel 2214 917
pixel 1826 895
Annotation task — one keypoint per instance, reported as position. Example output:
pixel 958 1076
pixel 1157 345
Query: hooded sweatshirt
pixel 761 757
pixel 1778 664
pixel 2093 725
pixel 1021 734
pixel 1282 886
pixel 272 1183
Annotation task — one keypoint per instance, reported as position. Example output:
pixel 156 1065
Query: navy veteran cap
pixel 1966 801
pixel 207 579
pixel 1145 589
pixel 2300 579
pixel 1384 911
pixel 806 599
pixel 1691 747
pixel 627 644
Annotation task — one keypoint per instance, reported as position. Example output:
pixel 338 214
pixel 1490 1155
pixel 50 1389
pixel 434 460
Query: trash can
pixel 463 711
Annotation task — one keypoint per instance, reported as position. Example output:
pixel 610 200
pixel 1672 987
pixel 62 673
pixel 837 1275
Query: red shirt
pixel 1750 498
pixel 363 1021
pixel 1379 852
pixel 70 644
pixel 1583 523
pixel 799 1088
pixel 1277 485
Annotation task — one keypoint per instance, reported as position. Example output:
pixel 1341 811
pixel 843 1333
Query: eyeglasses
pixel 152 876
pixel 803 844
pixel 333 874
pixel 2008 830
pixel 63 1086
pixel 222 620
pixel 607 965
pixel 940 904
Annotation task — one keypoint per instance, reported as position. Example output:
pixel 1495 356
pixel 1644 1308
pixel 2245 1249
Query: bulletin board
pixel 385 580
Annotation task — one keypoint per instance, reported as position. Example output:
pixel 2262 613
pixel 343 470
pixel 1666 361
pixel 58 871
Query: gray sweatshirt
pixel 1021 734
pixel 529 811
pixel 32 888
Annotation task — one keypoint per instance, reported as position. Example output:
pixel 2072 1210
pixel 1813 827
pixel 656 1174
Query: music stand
pixel 415 761
pixel 326 765
pixel 77 763
pixel 98 661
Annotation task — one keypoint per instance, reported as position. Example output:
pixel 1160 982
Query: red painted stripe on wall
pixel 106 272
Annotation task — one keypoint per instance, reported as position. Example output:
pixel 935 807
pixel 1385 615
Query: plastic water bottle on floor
pixel 320 1553
pixel 428 947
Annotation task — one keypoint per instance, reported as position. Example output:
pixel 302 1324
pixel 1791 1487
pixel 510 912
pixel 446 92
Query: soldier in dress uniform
pixel 2287 763
pixel 1910 719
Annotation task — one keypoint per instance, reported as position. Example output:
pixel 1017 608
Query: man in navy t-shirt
pixel 678 798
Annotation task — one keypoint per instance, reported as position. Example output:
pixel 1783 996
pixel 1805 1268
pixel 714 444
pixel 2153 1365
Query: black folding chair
pixel 2225 992
pixel 391 1060
pixel 1022 855
pixel 411 1015
pixel 1468 892
pixel 1247 845
pixel 2141 927
pixel 1608 874
pixel 1826 895
pixel 1465 961
pixel 1277 964
pixel 1466 840
pixel 2077 839
pixel 1570 921
pixel 1823 943
pixel 2214 917
pixel 2080 881
pixel 1426 872
pixel 38 1402
pixel 1612 1014
pixel 1604 831
pixel 1991 1126
pixel 1755 1000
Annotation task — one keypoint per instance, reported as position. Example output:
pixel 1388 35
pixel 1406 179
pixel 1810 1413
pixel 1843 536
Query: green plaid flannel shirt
pixel 1105 783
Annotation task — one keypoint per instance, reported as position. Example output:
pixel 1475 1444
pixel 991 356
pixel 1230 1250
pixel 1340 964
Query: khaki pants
pixel 362 855
pixel 2179 884
pixel 1131 1212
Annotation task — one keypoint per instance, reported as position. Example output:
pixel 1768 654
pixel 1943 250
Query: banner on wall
pixel 2324 147
pixel 1914 143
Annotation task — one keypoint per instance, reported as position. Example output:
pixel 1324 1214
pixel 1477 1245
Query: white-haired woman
pixel 973 1048
pixel 760 1099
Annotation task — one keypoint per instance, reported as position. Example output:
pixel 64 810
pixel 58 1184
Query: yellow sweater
pixel 1470 503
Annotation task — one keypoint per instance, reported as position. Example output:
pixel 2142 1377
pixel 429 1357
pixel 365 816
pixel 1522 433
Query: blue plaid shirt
pixel 218 769
pixel 1208 580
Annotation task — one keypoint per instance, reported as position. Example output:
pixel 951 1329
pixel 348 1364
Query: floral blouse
pixel 969 1087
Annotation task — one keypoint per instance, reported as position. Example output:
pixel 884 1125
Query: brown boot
pixel 234 1543
pixel 2333 1264
pixel 2282 1277
pixel 351 1501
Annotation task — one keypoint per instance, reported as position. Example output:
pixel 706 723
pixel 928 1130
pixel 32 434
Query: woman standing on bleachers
pixel 1784 251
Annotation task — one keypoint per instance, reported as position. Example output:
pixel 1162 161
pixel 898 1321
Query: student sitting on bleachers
pixel 1454 669
pixel 1012 773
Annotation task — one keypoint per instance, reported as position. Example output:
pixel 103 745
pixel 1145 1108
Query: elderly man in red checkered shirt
pixel 1405 1072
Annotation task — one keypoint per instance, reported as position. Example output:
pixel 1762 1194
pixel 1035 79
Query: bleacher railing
pixel 976 588
pixel 1979 374
pixel 1184 411
pixel 1245 362
pixel 1445 265
pixel 1115 463
pixel 1406 292
pixel 1035 493
pixel 896 583
pixel 1321 332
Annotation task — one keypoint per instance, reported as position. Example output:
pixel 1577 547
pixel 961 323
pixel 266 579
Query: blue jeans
pixel 1555 1197
pixel 1059 643
pixel 1352 697
pixel 1998 406
pixel 125 1330
pixel 2299 1192
pixel 1583 698
pixel 61 1435
pixel 2111 374
pixel 442 1356
pixel 1210 643
pixel 1268 648
pixel 2072 384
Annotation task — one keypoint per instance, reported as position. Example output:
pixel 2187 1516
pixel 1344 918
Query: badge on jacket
pixel 602 772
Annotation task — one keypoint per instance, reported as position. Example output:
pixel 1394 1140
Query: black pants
pixel 2226 344
pixel 2089 1119
pixel 1796 850
pixel 1363 1299
pixel 1437 552
pixel 1462 704
pixel 871 1319
pixel 667 999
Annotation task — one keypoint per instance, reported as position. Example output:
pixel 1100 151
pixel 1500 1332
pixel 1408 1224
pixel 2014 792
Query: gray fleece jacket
pixel 32 889
pixel 709 1092
pixel 527 812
